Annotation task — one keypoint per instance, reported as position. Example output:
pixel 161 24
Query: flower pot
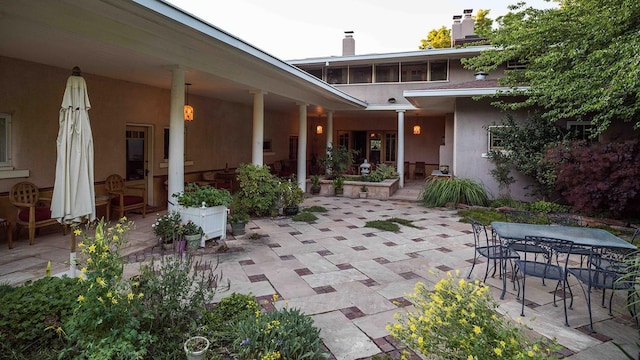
pixel 237 228
pixel 339 191
pixel 196 347
pixel 213 220
pixel 363 195
pixel 291 210
pixel 193 241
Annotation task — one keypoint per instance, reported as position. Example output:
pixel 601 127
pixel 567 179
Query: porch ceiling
pixel 142 40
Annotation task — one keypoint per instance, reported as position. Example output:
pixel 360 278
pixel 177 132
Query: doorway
pixel 138 148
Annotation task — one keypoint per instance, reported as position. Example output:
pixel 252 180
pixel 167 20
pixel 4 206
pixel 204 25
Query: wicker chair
pixel 32 212
pixel 122 197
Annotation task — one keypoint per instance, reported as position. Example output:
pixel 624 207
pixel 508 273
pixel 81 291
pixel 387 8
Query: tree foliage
pixel 581 60
pixel 437 38
pixel 483 24
pixel 596 178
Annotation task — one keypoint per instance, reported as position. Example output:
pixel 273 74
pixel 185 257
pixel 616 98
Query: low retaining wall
pixel 375 190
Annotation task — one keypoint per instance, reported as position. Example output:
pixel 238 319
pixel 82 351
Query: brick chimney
pixel 348 44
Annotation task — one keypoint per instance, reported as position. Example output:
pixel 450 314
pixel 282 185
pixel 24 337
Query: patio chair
pixel 544 269
pixel 492 250
pixel 419 170
pixel 565 219
pixel 525 217
pixel 594 276
pixel 407 167
pixel 125 198
pixel 33 213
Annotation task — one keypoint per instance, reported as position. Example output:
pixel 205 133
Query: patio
pixel 352 279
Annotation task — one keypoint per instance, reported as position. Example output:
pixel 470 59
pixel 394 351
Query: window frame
pixel 586 128
pixel 6 163
pixel 491 138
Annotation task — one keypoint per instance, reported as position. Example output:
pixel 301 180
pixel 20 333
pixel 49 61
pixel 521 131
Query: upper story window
pixel 416 71
pixel 387 73
pixel 438 70
pixel 315 72
pixel 5 140
pixel 337 75
pixel 516 65
pixel 360 74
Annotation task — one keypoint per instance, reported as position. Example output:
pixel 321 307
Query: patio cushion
pixel 42 213
pixel 128 200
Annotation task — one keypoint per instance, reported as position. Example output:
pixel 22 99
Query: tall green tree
pixel 483 24
pixel 436 38
pixel 582 60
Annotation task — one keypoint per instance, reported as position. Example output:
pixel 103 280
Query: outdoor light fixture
pixel 188 109
pixel 319 129
pixel 416 130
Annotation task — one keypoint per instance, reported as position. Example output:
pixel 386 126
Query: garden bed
pixel 375 190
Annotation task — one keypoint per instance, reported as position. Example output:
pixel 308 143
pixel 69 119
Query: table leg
pixel 9 234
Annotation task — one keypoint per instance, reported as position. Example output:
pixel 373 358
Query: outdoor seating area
pixel 351 278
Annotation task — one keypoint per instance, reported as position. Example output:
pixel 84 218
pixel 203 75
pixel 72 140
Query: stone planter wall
pixel 380 190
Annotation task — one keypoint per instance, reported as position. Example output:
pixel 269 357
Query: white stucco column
pixel 400 158
pixel 302 146
pixel 330 129
pixel 176 136
pixel 257 156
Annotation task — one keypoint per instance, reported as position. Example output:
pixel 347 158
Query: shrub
pixel 304 216
pixel 259 191
pixel 546 207
pixel 32 314
pixel 439 191
pixel 282 334
pixel 458 321
pixel 337 160
pixel 165 225
pixel 315 208
pixel 598 177
pixel 197 196
pixel 383 225
pixel 176 291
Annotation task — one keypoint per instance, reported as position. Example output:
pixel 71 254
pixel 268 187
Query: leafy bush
pixel 282 334
pixel 383 225
pixel 195 196
pixel 381 173
pixel 315 208
pixel 597 178
pixel 290 193
pixel 165 225
pixel 337 160
pixel 439 191
pixel 458 321
pixel 481 215
pixel 259 191
pixel 32 314
pixel 545 207
pixel 304 216
pixel 176 291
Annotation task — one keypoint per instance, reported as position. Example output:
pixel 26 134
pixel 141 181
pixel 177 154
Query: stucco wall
pixel 471 144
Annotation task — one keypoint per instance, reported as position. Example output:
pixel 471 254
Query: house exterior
pixel 137 55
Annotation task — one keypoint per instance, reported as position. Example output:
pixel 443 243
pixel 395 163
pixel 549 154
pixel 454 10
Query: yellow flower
pixel 115 237
pixel 101 281
pixel 140 295
pixel 80 298
pixel 92 248
pixel 130 296
pixel 89 260
pixel 77 232
pixel 83 270
pixel 100 299
pixel 109 294
pixel 114 300
pixel 503 344
pixel 530 353
pixel 476 329
pixel 535 347
pixel 275 297
pixel 498 351
pixel 470 357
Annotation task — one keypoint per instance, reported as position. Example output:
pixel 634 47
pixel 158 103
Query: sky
pixel 299 29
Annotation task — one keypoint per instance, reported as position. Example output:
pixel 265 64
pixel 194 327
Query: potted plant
pixel 363 192
pixel 196 347
pixel 315 184
pixel 165 227
pixel 206 206
pixel 291 196
pixel 192 233
pixel 338 185
pixel 238 217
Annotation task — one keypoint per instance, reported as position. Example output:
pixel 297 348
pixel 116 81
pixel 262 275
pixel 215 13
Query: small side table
pixel 104 200
pixel 6 225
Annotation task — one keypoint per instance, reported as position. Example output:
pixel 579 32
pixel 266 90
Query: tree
pixel 440 38
pixel 483 24
pixel 581 60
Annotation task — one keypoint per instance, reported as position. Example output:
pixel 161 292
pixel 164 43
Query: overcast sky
pixel 297 29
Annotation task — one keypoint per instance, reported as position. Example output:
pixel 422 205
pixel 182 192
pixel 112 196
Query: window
pixel 360 74
pixel 293 147
pixel 438 70
pixel 337 75
pixel 266 145
pixel 390 147
pixel 496 143
pixel 414 71
pixel 5 140
pixel 516 65
pixel 387 73
pixel 582 130
pixel 343 139
pixel 315 72
pixel 166 144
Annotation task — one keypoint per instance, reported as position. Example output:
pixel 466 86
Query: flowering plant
pixel 458 321
pixel 165 225
pixel 189 228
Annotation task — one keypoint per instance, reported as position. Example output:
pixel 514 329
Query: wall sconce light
pixel 188 109
pixel 319 129
pixel 416 130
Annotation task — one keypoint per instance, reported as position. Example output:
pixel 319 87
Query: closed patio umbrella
pixel 73 200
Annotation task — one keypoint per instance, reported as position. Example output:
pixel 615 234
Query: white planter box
pixel 213 220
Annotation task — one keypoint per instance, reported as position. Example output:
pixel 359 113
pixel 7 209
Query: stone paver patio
pixel 352 279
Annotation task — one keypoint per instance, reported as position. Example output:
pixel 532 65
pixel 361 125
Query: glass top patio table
pixel 583 236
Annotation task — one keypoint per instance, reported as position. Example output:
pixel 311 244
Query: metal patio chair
pixel 491 249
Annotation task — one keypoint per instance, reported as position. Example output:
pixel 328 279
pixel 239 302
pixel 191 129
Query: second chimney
pixel 348 44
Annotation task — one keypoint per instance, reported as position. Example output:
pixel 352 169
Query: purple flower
pixel 245 341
